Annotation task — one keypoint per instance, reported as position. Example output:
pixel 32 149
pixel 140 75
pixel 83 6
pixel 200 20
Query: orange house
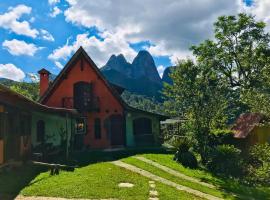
pixel 81 86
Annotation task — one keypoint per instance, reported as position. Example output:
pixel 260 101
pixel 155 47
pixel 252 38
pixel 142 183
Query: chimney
pixel 44 81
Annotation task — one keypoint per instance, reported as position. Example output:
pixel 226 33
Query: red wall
pixel 107 100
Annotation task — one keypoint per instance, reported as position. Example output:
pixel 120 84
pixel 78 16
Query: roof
pixel 160 116
pixel 115 89
pixel 80 52
pixel 173 121
pixel 13 98
pixel 246 123
pixel 44 71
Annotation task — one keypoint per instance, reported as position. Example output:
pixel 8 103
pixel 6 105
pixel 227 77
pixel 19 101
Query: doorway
pixel 117 130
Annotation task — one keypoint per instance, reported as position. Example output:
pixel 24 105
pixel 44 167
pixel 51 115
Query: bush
pixel 220 136
pixel 259 165
pixel 185 157
pixel 226 160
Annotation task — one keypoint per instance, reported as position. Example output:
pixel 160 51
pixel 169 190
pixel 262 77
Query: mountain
pixel 144 66
pixel 140 76
pixel 166 75
pixel 7 82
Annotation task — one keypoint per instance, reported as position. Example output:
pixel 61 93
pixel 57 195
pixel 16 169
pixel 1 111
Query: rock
pixel 125 185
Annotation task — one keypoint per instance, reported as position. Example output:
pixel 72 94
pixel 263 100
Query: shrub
pixel 225 159
pixel 259 164
pixel 185 157
pixel 220 136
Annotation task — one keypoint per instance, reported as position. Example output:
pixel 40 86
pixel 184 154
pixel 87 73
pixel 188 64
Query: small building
pixel 24 124
pixel 250 129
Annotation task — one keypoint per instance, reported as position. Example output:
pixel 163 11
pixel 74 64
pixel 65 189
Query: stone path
pixel 173 172
pixel 20 197
pixel 153 193
pixel 164 181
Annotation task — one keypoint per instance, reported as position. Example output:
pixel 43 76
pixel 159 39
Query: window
pixel 80 126
pixel 97 129
pixel 142 126
pixel 82 95
pixel 40 131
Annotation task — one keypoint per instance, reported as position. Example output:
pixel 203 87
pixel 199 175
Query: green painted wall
pixel 130 116
pixel 54 125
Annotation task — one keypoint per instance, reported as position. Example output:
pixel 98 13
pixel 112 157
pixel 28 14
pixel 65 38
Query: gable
pixel 79 68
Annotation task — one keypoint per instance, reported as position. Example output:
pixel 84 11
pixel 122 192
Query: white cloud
pixel 12 72
pixel 46 35
pixel 10 21
pixel 18 47
pixel 99 50
pixel 55 11
pixel 172 25
pixel 59 65
pixel 33 77
pixel 52 2
pixel 160 70
pixel 260 8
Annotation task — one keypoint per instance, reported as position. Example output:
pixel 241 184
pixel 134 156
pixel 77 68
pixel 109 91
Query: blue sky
pixel 45 33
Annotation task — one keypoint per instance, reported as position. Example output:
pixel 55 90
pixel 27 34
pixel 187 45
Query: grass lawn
pixel 95 180
pixel 227 186
pixel 96 177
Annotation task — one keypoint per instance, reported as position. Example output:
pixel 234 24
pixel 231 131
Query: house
pixel 25 124
pixel 250 129
pixel 105 119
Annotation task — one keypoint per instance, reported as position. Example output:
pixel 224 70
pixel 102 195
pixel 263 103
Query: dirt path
pixel 173 172
pixel 164 181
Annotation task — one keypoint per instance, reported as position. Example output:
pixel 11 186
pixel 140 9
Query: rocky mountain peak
pixel 143 65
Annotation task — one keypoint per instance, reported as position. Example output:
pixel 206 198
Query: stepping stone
pixel 153 198
pixel 153 193
pixel 125 185
pixel 152 185
pixel 151 182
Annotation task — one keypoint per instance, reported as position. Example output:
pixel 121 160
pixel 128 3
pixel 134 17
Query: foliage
pixel 259 164
pixel 199 96
pixel 29 90
pixel 142 102
pixel 221 136
pixel 184 156
pixel 240 53
pixel 187 159
pixel 225 159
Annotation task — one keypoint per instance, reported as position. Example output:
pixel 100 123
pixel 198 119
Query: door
pixel 12 147
pixel 117 130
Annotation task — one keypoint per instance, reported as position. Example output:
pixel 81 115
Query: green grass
pixel 163 174
pixel 96 180
pixel 225 184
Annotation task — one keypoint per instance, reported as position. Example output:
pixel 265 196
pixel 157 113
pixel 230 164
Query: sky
pixel 37 34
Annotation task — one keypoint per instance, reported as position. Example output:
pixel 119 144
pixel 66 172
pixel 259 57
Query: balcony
pixel 90 105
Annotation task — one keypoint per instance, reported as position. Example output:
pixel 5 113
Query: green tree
pixel 29 90
pixel 240 54
pixel 198 95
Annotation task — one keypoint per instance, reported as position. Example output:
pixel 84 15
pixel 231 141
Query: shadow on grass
pixel 12 181
pixel 85 158
pixel 243 192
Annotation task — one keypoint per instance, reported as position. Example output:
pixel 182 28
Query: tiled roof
pixel 246 123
